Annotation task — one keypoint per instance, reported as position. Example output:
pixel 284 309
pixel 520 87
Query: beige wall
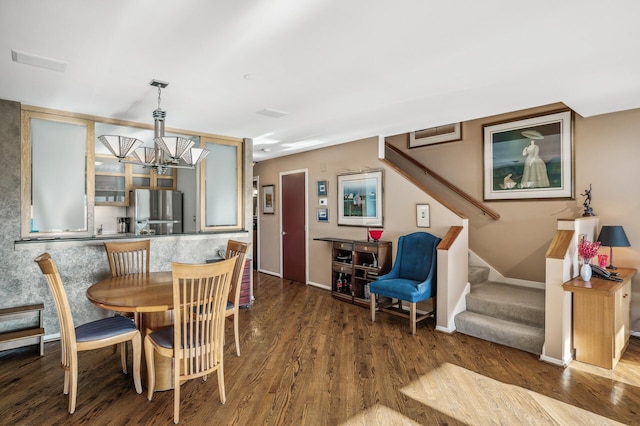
pixel 399 208
pixel 605 150
pixel 606 153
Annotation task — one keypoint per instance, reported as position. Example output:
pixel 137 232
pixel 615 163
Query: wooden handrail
pixel 450 238
pixel 424 188
pixel 445 182
pixel 560 244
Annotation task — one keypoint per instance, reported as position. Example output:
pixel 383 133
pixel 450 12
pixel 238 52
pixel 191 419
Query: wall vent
pixel 435 135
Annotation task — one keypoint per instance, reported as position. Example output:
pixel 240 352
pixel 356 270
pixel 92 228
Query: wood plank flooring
pixel 308 359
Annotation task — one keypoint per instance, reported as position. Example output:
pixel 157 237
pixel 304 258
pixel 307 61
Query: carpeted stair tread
pixel 508 333
pixel 508 302
pixel 478 274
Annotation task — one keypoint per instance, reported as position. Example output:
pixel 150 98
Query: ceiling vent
pixel 38 61
pixel 273 113
pixel 435 135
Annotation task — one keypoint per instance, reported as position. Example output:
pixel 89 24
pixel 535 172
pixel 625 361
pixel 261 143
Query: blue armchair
pixel 412 278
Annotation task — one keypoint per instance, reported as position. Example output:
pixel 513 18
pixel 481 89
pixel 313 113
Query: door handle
pixel 284 233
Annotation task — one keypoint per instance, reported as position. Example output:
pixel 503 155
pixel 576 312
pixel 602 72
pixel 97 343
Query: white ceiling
pixel 341 69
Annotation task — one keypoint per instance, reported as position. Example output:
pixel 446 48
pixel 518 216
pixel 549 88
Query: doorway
pixel 256 184
pixel 294 225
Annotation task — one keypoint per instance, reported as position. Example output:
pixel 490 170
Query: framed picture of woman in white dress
pixel 530 158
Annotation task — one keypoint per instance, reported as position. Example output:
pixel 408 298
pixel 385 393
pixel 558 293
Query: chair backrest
pixel 128 257
pixel 67 328
pixel 416 255
pixel 199 339
pixel 239 249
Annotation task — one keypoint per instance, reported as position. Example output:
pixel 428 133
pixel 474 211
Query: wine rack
pixel 354 264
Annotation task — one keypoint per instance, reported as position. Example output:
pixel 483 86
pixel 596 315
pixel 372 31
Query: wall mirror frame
pixel 221 185
pixel 56 180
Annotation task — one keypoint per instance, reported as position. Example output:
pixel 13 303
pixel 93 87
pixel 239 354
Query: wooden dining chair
pixel 93 335
pixel 239 249
pixel 126 258
pixel 195 342
pixel 130 257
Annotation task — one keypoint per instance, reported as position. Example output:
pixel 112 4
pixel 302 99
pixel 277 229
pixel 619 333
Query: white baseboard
pixel 445 329
pixel 275 274
pixel 555 361
pixel 322 286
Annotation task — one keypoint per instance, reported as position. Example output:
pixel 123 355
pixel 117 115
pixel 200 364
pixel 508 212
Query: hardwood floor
pixel 310 359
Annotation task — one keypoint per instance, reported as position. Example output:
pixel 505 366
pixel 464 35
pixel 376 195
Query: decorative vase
pixel 585 271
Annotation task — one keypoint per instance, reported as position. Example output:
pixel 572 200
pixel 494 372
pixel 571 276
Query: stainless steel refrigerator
pixel 155 211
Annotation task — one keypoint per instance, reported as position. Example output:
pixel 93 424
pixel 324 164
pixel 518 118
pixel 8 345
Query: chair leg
pixel 412 317
pixel 151 375
pixel 221 390
pixel 67 377
pixel 123 356
pixel 372 299
pixel 136 344
pixel 176 392
pixel 73 383
pixel 236 332
pixel 435 300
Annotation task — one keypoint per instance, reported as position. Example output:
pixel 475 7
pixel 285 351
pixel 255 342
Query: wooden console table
pixel 354 264
pixel 601 318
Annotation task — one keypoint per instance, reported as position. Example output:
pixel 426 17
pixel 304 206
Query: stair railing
pixel 485 210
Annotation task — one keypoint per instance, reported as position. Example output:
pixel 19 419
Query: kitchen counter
pixel 46 243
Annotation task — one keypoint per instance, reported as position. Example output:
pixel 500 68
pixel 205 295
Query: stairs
pixel 502 313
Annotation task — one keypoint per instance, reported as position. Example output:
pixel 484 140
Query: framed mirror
pixel 221 185
pixel 57 184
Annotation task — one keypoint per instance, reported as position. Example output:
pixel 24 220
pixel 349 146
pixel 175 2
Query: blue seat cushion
pixel 400 288
pixel 104 328
pixel 164 337
pixel 229 306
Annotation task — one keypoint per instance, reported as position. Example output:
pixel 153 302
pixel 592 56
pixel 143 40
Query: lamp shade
pixel 194 155
pixel 146 155
pixel 613 236
pixel 120 146
pixel 174 146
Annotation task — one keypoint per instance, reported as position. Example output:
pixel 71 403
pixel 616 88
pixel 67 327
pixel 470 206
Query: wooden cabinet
pixel 114 180
pixel 111 181
pixel 601 318
pixel 144 178
pixel 354 264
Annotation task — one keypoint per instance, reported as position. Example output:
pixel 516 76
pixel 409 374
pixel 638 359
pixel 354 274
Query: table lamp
pixel 613 236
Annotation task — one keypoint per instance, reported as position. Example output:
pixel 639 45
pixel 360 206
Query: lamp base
pixel 612 267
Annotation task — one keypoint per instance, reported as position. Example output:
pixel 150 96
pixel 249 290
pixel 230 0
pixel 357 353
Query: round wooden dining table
pixel 151 297
pixel 152 292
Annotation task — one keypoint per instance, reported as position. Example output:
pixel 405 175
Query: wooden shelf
pixel 26 336
pixel 354 264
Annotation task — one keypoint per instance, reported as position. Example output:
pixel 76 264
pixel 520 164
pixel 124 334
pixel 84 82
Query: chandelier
pixel 169 152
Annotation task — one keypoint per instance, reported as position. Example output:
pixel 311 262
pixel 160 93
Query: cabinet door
pixel 111 182
pixel 622 319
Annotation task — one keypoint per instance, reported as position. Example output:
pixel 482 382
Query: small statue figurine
pixel 588 211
